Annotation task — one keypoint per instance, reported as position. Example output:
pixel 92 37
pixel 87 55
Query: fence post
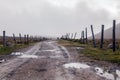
pixel 86 35
pixel 83 37
pixel 4 39
pixel 114 37
pixel 27 39
pixel 14 38
pixel 102 36
pixel 93 37
pixel 24 39
pixel 20 38
pixel 75 35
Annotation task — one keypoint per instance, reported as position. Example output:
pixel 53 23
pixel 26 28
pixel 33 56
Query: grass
pixel 70 43
pixel 95 53
pixel 8 50
pixel 102 54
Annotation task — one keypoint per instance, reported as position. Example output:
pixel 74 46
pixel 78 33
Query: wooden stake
pixel 25 39
pixel 75 35
pixel 20 38
pixel 94 44
pixel 86 35
pixel 83 37
pixel 14 38
pixel 114 37
pixel 4 39
pixel 102 36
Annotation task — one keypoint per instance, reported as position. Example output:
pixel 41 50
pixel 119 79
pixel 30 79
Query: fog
pixel 56 17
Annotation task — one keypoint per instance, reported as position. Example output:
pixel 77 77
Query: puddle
pixel 53 50
pixel 76 65
pixel 2 60
pixel 56 56
pixel 17 53
pixel 28 56
pixel 102 73
pixel 110 75
pixel 114 75
pixel 49 50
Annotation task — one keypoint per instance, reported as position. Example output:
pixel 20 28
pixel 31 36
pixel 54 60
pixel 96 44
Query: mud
pixel 47 61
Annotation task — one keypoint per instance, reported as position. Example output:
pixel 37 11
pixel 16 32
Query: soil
pixel 48 65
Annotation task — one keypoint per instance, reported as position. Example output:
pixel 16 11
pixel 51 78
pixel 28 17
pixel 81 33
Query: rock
pixel 2 60
pixel 9 44
pixel 110 46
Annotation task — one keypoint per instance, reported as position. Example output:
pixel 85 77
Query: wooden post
pixel 25 39
pixel 4 39
pixel 102 36
pixel 20 38
pixel 14 38
pixel 75 35
pixel 83 37
pixel 86 35
pixel 94 44
pixel 114 37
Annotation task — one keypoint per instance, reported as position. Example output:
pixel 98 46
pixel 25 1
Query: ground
pixel 47 60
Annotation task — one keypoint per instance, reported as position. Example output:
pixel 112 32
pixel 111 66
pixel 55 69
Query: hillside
pixel 108 33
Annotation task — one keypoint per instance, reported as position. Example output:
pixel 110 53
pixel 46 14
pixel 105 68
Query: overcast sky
pixel 56 17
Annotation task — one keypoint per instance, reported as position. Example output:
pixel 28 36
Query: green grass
pixel 5 50
pixel 8 50
pixel 102 54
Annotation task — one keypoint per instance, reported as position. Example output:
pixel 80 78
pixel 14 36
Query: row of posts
pixel 21 40
pixel 84 38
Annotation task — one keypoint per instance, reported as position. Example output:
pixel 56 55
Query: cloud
pixel 55 17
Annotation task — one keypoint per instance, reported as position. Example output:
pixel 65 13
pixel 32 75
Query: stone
pixel 110 46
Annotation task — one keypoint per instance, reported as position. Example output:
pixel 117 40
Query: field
pixel 96 53
pixel 8 50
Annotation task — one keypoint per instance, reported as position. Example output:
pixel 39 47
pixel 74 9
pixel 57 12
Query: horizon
pixel 54 18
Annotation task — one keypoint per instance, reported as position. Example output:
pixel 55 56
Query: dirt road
pixel 47 61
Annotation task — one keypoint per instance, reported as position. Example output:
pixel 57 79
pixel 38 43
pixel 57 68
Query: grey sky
pixel 56 17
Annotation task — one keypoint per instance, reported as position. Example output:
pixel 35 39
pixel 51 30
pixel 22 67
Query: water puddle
pixel 2 60
pixel 17 53
pixel 56 56
pixel 112 75
pixel 28 56
pixel 49 50
pixel 108 74
pixel 76 65
pixel 57 51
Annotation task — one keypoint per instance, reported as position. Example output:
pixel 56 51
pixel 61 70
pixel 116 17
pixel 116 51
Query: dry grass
pixel 102 54
pixel 70 43
pixel 96 53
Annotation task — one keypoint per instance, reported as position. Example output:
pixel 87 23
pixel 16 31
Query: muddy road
pixel 49 61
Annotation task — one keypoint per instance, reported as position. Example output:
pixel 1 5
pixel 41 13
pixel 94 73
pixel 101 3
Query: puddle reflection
pixel 111 74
